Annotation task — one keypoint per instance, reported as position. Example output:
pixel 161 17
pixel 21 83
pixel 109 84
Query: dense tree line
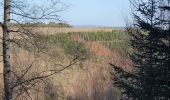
pixel 41 24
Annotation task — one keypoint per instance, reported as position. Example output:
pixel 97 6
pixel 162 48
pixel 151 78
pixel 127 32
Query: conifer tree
pixel 149 79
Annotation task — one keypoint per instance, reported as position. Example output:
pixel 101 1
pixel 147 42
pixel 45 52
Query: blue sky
pixel 97 12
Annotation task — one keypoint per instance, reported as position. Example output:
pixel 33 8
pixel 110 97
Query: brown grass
pixel 53 30
pixel 87 80
pixel 112 57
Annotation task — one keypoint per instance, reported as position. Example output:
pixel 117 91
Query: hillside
pixel 96 48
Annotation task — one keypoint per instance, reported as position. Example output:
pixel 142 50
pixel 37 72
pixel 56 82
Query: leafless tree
pixel 22 12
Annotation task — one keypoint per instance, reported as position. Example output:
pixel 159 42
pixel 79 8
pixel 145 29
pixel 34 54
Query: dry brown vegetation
pixel 54 30
pixel 89 79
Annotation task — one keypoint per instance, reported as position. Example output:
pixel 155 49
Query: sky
pixel 97 12
pixel 109 13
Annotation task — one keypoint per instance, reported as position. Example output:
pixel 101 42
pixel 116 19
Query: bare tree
pixel 21 12
pixel 6 52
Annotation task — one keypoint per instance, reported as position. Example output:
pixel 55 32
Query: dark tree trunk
pixel 6 53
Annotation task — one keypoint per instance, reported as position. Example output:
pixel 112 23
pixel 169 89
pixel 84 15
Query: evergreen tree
pixel 149 79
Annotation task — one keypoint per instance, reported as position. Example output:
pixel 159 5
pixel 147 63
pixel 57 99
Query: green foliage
pixel 122 47
pixel 115 40
pixel 59 25
pixel 64 41
pixel 105 36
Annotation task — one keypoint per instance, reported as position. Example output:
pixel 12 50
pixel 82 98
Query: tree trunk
pixel 6 53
